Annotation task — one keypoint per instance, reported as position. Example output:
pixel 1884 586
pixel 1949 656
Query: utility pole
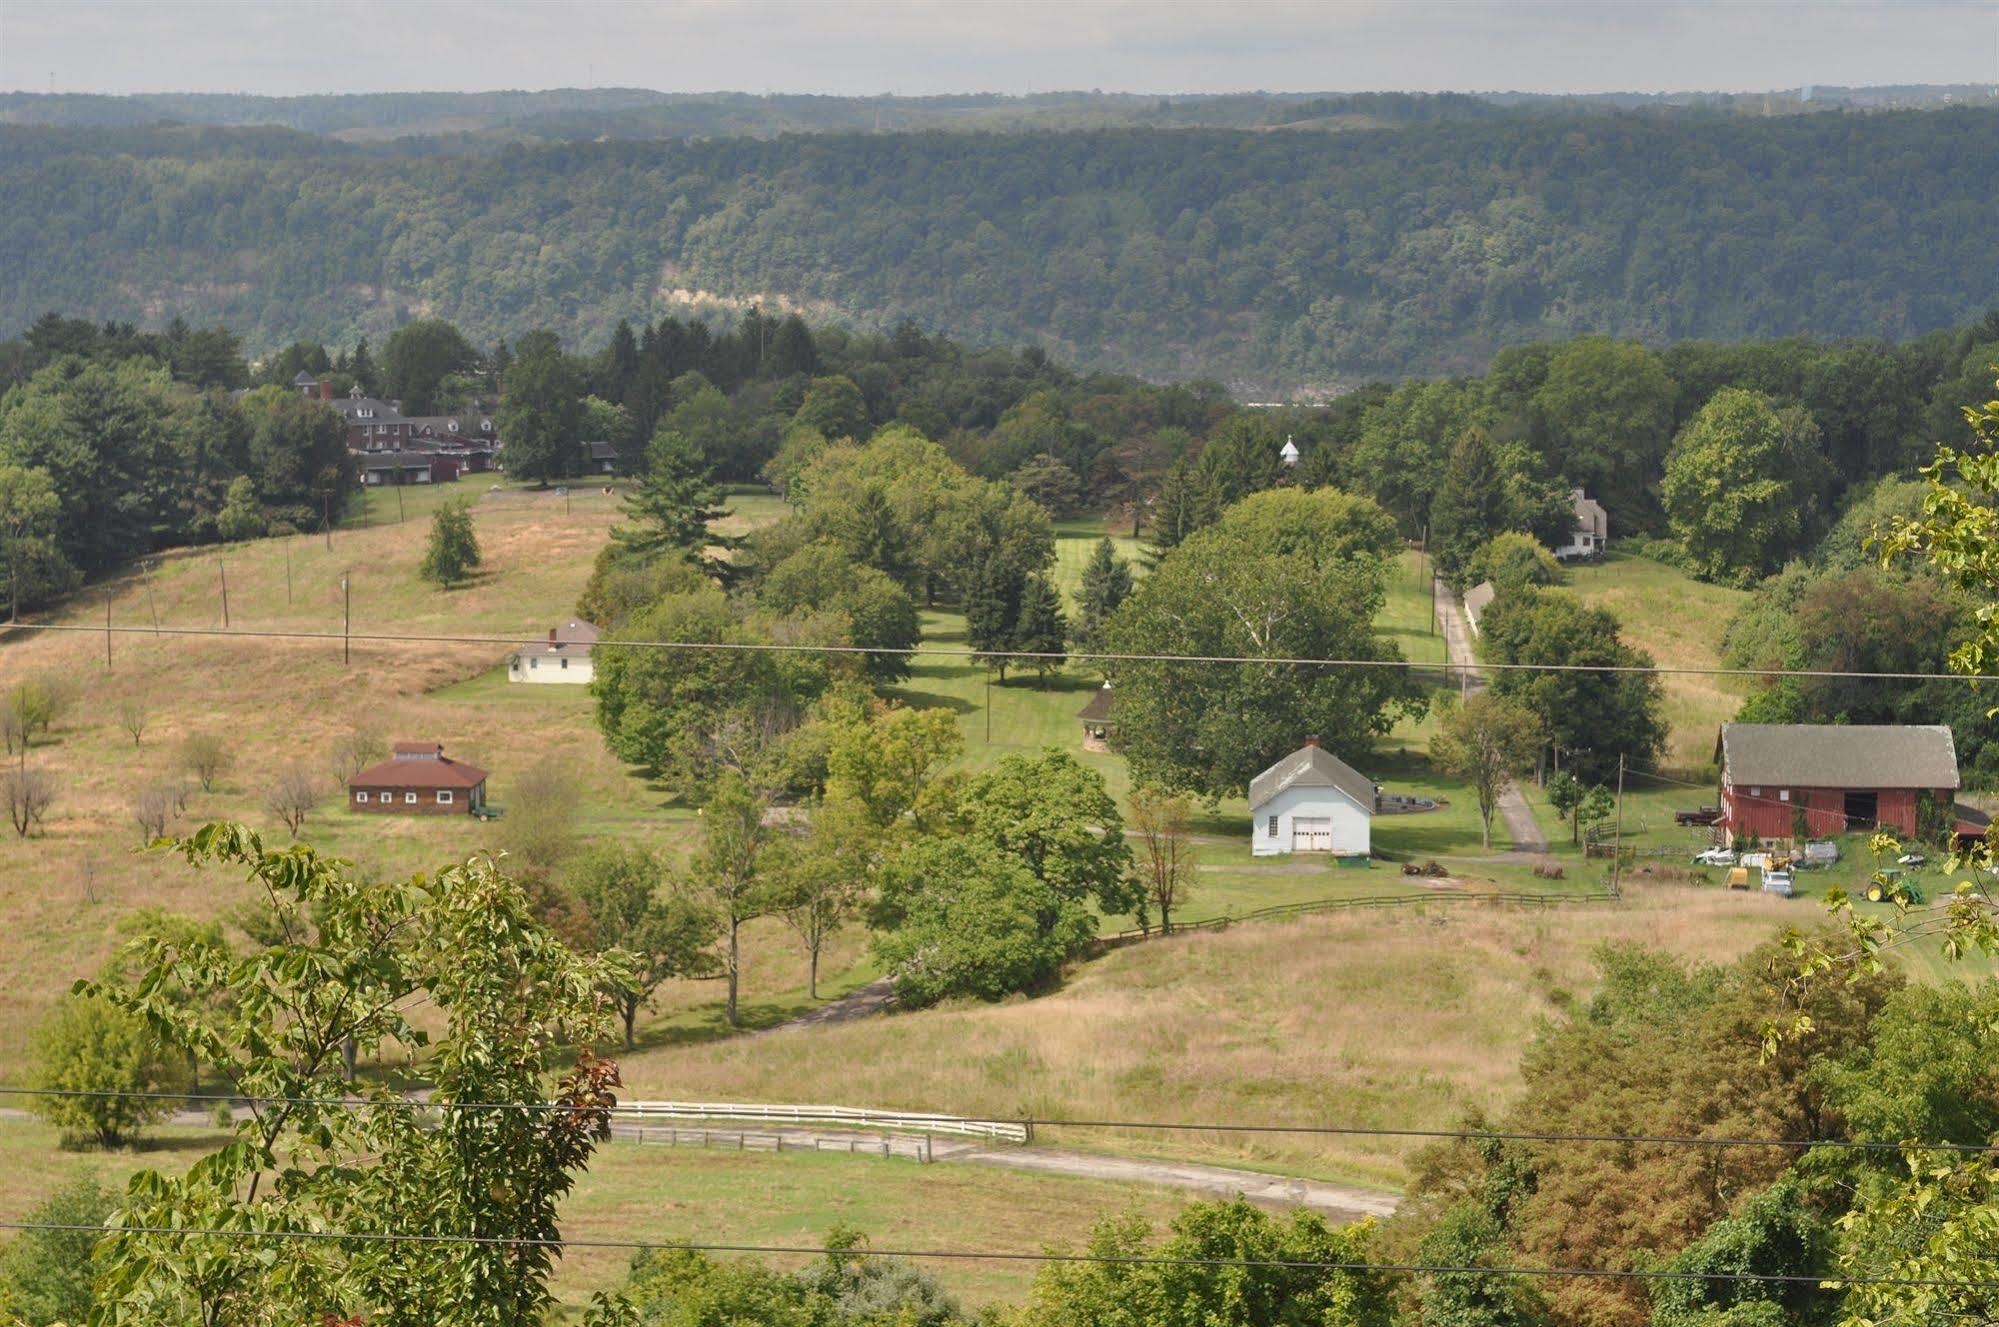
pixel 326 516
pixel 346 620
pixel 288 575
pixel 989 704
pixel 152 609
pixel 1617 847
pixel 223 569
pixel 399 504
pixel 107 644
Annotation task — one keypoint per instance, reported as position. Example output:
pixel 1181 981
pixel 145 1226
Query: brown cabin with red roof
pixel 418 780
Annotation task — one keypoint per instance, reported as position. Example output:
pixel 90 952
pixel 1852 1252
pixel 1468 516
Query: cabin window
pixel 410 798
pixel 443 798
pixel 360 797
pixel 1272 830
pixel 565 663
pixel 1755 792
pixel 1784 795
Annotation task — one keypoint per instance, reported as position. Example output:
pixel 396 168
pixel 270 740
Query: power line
pixel 920 652
pixel 808 1116
pixel 996 1255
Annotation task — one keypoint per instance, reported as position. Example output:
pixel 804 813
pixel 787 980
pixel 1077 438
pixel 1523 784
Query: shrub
pixel 85 1044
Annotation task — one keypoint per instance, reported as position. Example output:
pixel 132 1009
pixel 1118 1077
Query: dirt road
pixel 1521 826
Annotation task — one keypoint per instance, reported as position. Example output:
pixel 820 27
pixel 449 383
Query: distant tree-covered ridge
pixel 1272 259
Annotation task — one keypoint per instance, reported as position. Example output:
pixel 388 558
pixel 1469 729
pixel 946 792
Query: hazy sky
pixel 925 46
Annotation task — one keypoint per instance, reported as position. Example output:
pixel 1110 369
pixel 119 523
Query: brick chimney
pixel 326 389
pixel 551 635
pixel 1313 740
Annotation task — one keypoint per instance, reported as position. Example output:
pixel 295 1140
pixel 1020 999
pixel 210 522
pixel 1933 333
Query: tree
pixel 417 359
pixel 1607 407
pixel 1733 484
pixel 241 517
pixel 498 993
pixel 1166 864
pixel 633 911
pixel 208 757
pixel 889 763
pixel 36 568
pixel 1565 794
pixel 1042 629
pixel 291 796
pixel 541 417
pixel 818 878
pixel 87 1044
pixel 1485 741
pixel 30 794
pixel 1057 817
pixel 32 708
pixel 46 1274
pixel 154 808
pixel 1048 481
pixel 879 612
pixel 539 829
pixel 1595 806
pixel 1512 560
pixel 1187 501
pixel 1209 728
pixel 1225 1264
pixel 962 918
pixel 1590 717
pixel 675 504
pixel 134 716
pixel 354 751
pixel 725 871
pixel 833 408
pixel 1470 506
pixel 452 552
pixel 297 452
pixel 1106 585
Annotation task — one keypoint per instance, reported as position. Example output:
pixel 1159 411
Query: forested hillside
pixel 1270 259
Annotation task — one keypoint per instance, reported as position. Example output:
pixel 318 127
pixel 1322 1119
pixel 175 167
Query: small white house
pixel 1590 534
pixel 1311 801
pixel 563 657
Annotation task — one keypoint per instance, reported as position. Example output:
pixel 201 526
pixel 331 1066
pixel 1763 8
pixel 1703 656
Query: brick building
pixel 418 780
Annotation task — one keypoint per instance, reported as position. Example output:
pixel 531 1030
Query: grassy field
pixel 1678 621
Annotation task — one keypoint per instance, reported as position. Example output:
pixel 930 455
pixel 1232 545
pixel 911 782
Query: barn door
pixel 1311 834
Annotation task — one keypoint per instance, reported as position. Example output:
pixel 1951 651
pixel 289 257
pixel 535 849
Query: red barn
pixel 1841 776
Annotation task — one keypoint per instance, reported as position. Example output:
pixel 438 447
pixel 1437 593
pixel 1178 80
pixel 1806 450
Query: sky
pixel 914 47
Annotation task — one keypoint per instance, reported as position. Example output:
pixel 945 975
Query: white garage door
pixel 1311 834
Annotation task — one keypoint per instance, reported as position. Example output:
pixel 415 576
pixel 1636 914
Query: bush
pixel 87 1045
pixel 45 1275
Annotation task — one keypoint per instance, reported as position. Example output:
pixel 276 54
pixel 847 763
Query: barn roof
pixel 1835 755
pixel 1311 766
pixel 572 638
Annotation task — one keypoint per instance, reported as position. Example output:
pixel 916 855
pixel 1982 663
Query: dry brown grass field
pixel 1408 1018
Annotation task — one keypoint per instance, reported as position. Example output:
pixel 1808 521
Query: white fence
pixel 886 1145
pixel 852 1117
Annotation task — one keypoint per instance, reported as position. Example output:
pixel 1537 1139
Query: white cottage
pixel 1590 534
pixel 1311 801
pixel 563 657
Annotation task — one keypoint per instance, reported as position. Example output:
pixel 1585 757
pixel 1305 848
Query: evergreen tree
pixel 1106 584
pixel 1470 506
pixel 541 419
pixel 361 368
pixel 674 505
pixel 453 550
pixel 1187 501
pixel 1041 627
pixel 992 610
pixel 621 363
pixel 792 350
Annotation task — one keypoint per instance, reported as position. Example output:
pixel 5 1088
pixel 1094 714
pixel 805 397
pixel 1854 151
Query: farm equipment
pixel 1891 886
pixel 1738 877
pixel 1778 883
pixel 1715 857
pixel 1703 815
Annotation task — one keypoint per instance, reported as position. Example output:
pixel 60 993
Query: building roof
pixel 368 407
pixel 1590 515
pixel 471 424
pixel 571 638
pixel 1099 708
pixel 392 460
pixel 1312 766
pixel 1478 597
pixel 1837 755
pixel 601 451
pixel 419 765
pixel 304 379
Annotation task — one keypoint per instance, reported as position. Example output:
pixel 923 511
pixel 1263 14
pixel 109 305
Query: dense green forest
pixel 1269 259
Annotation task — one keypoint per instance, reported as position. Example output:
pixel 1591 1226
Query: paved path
pixel 1521 826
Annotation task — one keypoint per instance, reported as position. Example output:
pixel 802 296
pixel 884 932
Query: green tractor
pixel 1892 885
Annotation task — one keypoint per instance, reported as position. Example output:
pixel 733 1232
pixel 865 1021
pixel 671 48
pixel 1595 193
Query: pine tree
pixel 1106 584
pixel 1471 504
pixel 361 368
pixel 1186 502
pixel 1041 627
pixel 454 547
pixel 621 363
pixel 992 611
pixel 674 505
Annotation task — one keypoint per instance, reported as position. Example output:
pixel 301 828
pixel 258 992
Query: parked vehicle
pixel 1778 883
pixel 1912 859
pixel 1758 860
pixel 1738 877
pixel 1705 815
pixel 1715 857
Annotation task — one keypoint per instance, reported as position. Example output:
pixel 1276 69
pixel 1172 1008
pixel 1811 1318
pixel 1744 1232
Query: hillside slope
pixel 1268 258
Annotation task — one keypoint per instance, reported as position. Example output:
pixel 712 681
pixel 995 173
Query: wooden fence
pixel 1006 1131
pixel 915 1147
pixel 1286 911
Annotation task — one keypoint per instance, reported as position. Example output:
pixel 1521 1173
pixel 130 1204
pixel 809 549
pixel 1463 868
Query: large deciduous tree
pixel 1252 592
pixel 418 358
pixel 1485 741
pixel 635 910
pixel 1738 484
pixel 541 417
